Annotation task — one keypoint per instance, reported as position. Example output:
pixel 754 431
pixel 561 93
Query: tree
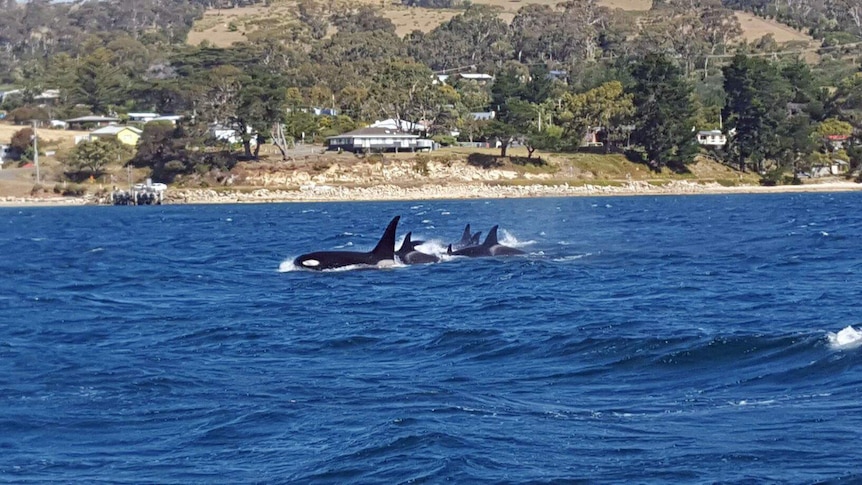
pixel 755 107
pixel 600 107
pixel 90 158
pixel 99 83
pixel 22 140
pixel 664 113
pixel 404 91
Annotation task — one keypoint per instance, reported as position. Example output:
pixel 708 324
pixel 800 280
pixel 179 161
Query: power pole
pixel 36 153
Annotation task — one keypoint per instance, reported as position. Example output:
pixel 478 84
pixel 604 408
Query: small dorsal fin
pixel 406 245
pixel 449 249
pixel 474 241
pixel 385 248
pixel 491 240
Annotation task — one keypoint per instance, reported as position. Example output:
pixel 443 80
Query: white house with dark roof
pixel 377 139
pixel 713 138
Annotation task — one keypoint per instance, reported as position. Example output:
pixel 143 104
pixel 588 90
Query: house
pixel 562 76
pixel 172 119
pixel 5 152
pixel 837 167
pixel 484 115
pixel 230 135
pixel 127 135
pixel 92 120
pixel 141 117
pixel 837 142
pixel 324 111
pixel 378 139
pixel 6 94
pixel 711 138
pixel 478 77
pixel 400 125
pixel 48 96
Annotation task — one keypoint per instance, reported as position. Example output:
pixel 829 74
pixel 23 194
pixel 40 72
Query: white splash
pixel 846 339
pixel 287 265
pixel 506 238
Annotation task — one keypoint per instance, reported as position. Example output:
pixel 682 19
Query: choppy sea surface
pixel 691 339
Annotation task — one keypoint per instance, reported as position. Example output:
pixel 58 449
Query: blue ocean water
pixel 662 339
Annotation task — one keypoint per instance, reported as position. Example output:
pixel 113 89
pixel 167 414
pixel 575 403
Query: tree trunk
pixel 503 146
pixel 279 140
pixel 530 150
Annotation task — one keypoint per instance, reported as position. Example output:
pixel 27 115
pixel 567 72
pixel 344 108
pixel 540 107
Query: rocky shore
pixel 320 193
pixel 421 179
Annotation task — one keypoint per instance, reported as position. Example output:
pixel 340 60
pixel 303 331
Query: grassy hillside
pixel 223 27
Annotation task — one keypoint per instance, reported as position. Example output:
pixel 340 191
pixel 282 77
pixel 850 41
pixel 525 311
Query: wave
pixel 846 339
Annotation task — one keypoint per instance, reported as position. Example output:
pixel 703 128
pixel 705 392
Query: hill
pixel 223 27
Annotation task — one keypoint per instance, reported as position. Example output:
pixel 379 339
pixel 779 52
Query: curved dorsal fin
pixel 385 248
pixel 474 241
pixel 491 240
pixel 406 245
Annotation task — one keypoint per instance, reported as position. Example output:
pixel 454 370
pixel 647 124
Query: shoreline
pixel 328 193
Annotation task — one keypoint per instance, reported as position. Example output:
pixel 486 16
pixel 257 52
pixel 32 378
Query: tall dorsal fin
pixel 474 241
pixel 385 248
pixel 465 237
pixel 491 240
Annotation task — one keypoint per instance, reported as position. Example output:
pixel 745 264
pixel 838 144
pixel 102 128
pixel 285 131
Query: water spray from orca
pixel 384 253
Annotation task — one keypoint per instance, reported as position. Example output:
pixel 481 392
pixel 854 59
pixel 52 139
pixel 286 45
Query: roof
pixel 115 129
pixel 487 115
pixel 167 118
pixel 143 115
pixel 92 119
pixel 373 131
pixel 404 125
pixel 710 133
pixel 477 76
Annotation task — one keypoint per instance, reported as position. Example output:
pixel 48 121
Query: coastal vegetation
pixel 549 78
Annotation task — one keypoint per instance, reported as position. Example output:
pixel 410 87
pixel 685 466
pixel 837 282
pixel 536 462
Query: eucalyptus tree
pixel 603 107
pixel 477 37
pixel 404 91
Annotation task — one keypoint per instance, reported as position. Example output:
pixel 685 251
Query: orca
pixel 409 255
pixel 467 239
pixel 491 247
pixel 382 255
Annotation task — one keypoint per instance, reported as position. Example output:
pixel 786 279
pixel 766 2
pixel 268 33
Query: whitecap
pixel 570 258
pixel 848 338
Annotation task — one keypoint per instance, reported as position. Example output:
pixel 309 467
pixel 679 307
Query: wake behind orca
pixel 491 247
pixel 382 254
pixel 409 255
